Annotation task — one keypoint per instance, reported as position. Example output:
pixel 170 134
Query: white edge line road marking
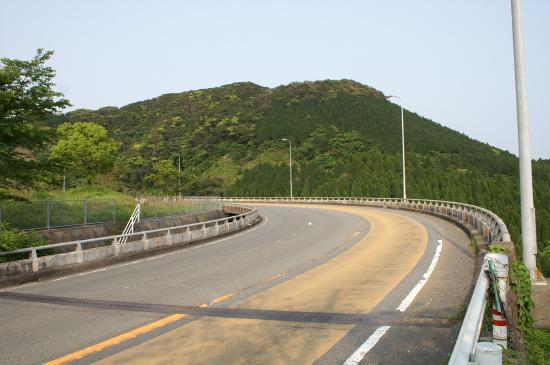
pixel 360 353
pixel 155 257
pixel 414 292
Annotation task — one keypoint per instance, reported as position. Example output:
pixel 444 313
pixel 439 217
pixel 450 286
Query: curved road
pixel 324 284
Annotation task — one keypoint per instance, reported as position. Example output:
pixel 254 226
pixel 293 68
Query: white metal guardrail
pixel 489 225
pixel 138 241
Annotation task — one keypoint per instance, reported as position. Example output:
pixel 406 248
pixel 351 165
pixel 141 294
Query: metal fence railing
pixel 157 207
pixel 77 252
pixel 57 213
pixel 63 213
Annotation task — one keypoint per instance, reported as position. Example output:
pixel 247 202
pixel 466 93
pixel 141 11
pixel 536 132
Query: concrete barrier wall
pixel 137 242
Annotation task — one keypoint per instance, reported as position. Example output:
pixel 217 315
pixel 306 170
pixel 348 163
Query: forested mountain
pixel 346 141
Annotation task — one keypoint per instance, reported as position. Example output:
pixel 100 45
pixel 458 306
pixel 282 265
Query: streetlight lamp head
pixel 284 139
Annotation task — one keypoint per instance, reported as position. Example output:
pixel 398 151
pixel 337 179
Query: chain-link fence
pixel 154 207
pixel 63 213
pixel 57 213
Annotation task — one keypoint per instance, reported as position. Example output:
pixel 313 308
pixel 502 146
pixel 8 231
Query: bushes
pixel 12 239
pixel 537 341
pixel 544 259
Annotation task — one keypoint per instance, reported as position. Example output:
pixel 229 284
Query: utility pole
pixel 179 174
pixel 402 146
pixel 528 219
pixel 290 165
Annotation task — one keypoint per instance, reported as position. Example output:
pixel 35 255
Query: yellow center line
pixel 222 298
pixel 129 335
pixel 116 340
pixel 217 300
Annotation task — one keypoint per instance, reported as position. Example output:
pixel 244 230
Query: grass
pixel 89 204
pixel 78 193
pixel 273 156
pixel 85 204
pixel 226 169
pixel 473 246
pixel 458 317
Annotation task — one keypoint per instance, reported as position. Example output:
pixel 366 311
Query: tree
pixel 84 149
pixel 27 99
pixel 165 176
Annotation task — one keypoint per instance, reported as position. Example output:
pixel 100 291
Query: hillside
pixel 346 141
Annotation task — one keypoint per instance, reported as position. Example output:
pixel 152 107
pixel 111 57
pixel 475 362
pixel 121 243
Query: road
pixel 310 284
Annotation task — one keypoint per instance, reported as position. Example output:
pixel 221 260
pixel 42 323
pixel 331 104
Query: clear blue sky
pixel 451 61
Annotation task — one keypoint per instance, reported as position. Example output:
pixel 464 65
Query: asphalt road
pixel 298 261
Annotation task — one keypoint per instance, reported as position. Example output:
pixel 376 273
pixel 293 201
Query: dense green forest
pixel 346 142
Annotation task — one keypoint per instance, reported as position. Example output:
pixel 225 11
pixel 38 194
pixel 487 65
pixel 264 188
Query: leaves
pixel 84 149
pixel 27 99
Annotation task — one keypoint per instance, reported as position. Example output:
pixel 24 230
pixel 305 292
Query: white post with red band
pixel 500 268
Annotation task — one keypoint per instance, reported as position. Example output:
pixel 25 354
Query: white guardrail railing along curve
pixel 74 252
pixel 488 224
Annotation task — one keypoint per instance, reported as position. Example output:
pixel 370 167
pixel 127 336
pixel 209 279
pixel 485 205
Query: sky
pixel 448 60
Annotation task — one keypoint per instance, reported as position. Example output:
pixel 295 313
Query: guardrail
pixel 75 252
pixel 491 227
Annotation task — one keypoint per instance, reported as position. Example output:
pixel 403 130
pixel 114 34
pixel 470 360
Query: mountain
pixel 346 140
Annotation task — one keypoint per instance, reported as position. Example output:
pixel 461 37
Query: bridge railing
pixel 488 224
pixel 76 252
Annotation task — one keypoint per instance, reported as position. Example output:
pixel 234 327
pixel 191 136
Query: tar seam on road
pixel 395 319
pixel 149 327
pixel 80 354
pixel 77 355
pixel 360 353
pixel 184 249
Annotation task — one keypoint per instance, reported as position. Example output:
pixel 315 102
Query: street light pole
pixel 402 146
pixel 528 224
pixel 179 174
pixel 290 165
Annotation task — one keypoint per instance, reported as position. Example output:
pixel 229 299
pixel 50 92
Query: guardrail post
pixel 48 209
pixel 116 246
pixel 114 211
pixel 497 265
pixel 79 253
pixel 145 241
pixel 169 237
pixel 204 231
pixel 85 212
pixel 34 258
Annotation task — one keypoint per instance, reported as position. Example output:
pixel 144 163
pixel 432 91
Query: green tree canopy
pixel 27 99
pixel 84 149
pixel 164 177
